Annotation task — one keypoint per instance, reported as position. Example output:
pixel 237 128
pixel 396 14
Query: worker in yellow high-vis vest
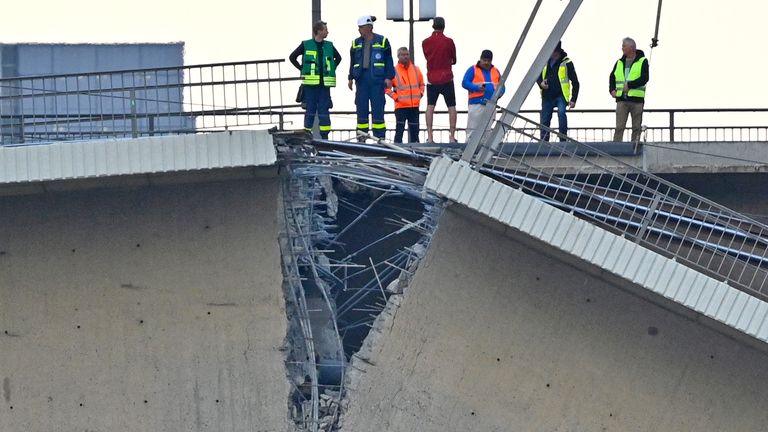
pixel 559 86
pixel 627 84
pixel 319 59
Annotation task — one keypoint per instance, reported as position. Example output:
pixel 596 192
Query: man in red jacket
pixel 440 52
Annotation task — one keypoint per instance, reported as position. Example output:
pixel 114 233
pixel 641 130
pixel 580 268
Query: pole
pixel 655 39
pixel 410 40
pixel 316 6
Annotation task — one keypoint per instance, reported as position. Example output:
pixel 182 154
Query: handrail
pixel 141 102
pixel 636 204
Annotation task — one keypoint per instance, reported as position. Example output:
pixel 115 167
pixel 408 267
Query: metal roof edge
pixel 76 160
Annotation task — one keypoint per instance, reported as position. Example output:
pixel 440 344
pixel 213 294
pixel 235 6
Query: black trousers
pixel 411 115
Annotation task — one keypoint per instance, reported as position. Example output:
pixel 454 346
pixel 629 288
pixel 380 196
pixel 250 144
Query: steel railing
pixel 638 205
pixel 141 102
pixel 596 125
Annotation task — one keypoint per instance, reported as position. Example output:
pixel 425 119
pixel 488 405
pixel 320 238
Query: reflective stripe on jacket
pixel 407 87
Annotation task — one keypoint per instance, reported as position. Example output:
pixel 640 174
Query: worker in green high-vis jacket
pixel 318 74
pixel 627 82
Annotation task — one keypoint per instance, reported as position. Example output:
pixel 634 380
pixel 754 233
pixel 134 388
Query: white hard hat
pixel 365 20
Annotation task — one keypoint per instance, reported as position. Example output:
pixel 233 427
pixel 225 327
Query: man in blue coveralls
pixel 372 69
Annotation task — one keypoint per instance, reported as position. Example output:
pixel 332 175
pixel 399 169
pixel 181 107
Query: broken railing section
pixel 354 231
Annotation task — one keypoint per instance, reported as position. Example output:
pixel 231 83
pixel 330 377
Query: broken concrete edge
pixel 382 325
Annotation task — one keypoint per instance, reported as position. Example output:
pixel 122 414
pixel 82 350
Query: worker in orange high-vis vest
pixel 407 90
pixel 481 81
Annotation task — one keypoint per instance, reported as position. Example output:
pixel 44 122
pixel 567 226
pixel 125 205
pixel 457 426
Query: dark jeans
pixel 547 106
pixel 411 115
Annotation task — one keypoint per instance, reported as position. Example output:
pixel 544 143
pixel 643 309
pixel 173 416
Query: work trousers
pixel 411 115
pixel 370 93
pixel 623 110
pixel 318 100
pixel 475 121
pixel 547 106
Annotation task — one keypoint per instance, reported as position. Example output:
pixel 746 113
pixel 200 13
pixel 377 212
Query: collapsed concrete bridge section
pixel 151 297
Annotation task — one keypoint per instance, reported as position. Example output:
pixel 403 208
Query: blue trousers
pixel 547 106
pixel 318 100
pixel 370 92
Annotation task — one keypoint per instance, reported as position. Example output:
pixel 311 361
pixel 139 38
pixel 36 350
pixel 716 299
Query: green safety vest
pixel 634 73
pixel 562 73
pixel 310 74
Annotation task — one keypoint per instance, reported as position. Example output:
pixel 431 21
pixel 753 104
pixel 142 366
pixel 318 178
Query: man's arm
pixel 612 82
pixel 574 81
pixel 389 72
pixel 453 52
pixel 294 57
pixel 351 65
pixel 467 81
pixel 421 80
pixel 336 57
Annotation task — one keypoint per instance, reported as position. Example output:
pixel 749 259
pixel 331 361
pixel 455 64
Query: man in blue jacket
pixel 372 70
pixel 481 81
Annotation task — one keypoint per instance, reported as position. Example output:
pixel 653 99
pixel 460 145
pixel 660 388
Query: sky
pixel 710 52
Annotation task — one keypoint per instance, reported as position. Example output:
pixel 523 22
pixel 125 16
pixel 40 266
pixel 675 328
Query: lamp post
pixel 316 11
pixel 395 13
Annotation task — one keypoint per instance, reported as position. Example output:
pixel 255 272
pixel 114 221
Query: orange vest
pixel 408 86
pixel 480 79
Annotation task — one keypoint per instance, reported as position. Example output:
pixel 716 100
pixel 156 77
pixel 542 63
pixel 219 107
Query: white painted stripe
pixel 644 267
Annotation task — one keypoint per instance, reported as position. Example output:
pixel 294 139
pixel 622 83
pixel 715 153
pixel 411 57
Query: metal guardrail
pixel 661 125
pixel 140 102
pixel 638 205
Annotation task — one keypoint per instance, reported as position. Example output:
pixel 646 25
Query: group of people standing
pixel 373 75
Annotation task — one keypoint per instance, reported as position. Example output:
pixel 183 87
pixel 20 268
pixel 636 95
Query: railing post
pixel 671 126
pixel 134 122
pixel 151 125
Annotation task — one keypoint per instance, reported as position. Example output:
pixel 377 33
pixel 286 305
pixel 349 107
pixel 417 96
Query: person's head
pixel 486 59
pixel 438 23
pixel 365 25
pixel 320 29
pixel 403 56
pixel 557 53
pixel 628 47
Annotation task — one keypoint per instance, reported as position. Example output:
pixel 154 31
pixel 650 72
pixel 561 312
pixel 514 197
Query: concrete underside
pixel 152 309
pixel 493 335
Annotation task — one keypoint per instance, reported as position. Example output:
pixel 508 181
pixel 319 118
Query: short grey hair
pixel 629 41
pixel 399 50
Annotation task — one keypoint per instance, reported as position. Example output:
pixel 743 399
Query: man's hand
pixel 626 87
pixel 572 104
pixel 613 93
pixel 350 84
pixel 387 83
pixel 544 84
pixel 481 88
